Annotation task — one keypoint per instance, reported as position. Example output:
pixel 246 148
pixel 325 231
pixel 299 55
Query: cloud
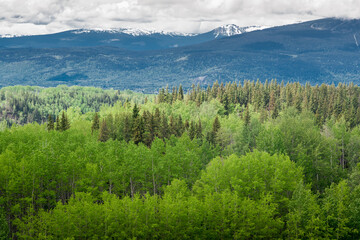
pixel 45 16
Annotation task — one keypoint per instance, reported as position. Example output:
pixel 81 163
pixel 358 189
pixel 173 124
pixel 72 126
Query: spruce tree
pixel 4 226
pixel 104 132
pixel 64 122
pixel 192 130
pixel 247 116
pixel 96 123
pixel 198 132
pixel 216 125
pixel 181 93
pixel 139 130
pixel 50 123
pixel 275 112
pixel 211 136
pixel 164 127
pixel 57 124
pixel 135 112
pixel 127 130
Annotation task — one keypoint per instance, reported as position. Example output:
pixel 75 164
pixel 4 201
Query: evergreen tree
pixel 164 127
pixel 216 125
pixel 179 129
pixel 135 112
pixel 127 130
pixel 50 123
pixel 64 122
pixel 192 130
pixel 275 112
pixel 247 116
pixel 139 130
pixel 4 226
pixel 104 134
pixel 57 124
pixel 198 131
pixel 211 136
pixel 181 93
pixel 95 123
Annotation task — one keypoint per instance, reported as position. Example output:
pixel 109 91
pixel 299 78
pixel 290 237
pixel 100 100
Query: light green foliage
pixel 294 176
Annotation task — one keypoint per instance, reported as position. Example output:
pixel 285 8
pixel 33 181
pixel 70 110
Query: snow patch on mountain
pixel 232 29
pixel 132 31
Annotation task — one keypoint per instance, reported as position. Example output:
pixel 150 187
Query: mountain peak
pixel 228 30
pixel 131 31
pixel 232 29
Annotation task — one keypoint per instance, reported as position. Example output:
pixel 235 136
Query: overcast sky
pixel 49 16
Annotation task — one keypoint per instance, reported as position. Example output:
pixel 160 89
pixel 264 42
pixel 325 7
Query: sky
pixel 31 17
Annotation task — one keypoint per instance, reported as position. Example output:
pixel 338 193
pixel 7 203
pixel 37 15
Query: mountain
pixel 232 29
pixel 320 51
pixel 125 38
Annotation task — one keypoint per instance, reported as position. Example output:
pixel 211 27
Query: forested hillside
pixel 24 104
pixel 233 161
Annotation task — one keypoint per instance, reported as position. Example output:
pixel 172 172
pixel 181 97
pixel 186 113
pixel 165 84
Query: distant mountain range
pixel 321 51
pixel 124 38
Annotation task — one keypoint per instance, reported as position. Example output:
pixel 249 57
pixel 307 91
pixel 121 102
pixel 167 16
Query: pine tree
pixel 57 124
pixel 50 124
pixel 247 116
pixel 127 130
pixel 139 130
pixel 64 122
pixel 172 126
pixel 157 122
pixel 192 130
pixel 226 104
pixel 211 136
pixel 198 132
pixel 216 125
pixel 275 112
pixel 4 226
pixel 96 123
pixel 164 127
pixel 104 132
pixel 135 112
pixel 179 127
pixel 181 93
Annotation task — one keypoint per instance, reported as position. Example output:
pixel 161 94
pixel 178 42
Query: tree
pixel 192 130
pixel 96 123
pixel 135 112
pixel 198 131
pixel 181 93
pixel 247 116
pixel 4 226
pixel 139 130
pixel 50 124
pixel 64 122
pixel 211 136
pixel 57 124
pixel 127 130
pixel 104 134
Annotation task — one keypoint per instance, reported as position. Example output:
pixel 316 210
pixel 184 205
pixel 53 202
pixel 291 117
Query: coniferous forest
pixel 245 160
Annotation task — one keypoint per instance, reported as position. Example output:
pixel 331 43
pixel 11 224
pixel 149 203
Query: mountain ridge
pixel 320 51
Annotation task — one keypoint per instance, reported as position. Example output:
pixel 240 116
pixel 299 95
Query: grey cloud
pixel 177 15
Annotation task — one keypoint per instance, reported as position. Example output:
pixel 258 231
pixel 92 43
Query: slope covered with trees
pixel 234 161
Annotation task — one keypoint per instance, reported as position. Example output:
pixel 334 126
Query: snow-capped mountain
pixel 232 29
pixel 325 50
pixel 135 32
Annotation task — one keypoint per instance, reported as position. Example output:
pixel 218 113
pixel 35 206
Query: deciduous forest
pixel 245 160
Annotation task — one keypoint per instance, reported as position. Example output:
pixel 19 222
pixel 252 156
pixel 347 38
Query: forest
pixel 245 160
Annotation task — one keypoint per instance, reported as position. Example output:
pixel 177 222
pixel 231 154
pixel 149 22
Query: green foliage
pixel 4 225
pixel 95 123
pixel 231 162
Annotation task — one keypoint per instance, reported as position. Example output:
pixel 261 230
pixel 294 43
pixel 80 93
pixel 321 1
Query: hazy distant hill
pixel 325 50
